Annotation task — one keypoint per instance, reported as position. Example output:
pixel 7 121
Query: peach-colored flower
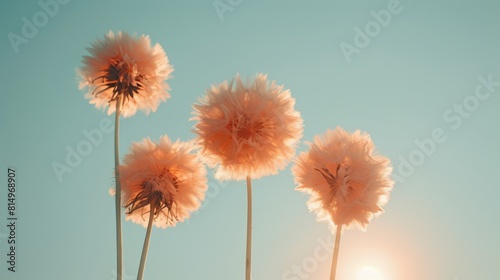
pixel 347 179
pixel 247 130
pixel 164 175
pixel 125 66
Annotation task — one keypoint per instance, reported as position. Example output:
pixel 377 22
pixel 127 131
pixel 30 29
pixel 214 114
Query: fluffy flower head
pixel 247 130
pixel 124 66
pixel 347 179
pixel 164 177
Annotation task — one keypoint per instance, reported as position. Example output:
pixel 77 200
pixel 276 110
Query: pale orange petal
pixel 354 182
pixel 170 169
pixel 247 130
pixel 131 64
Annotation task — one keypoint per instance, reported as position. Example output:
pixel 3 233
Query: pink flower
pixel 126 67
pixel 164 176
pixel 247 130
pixel 348 181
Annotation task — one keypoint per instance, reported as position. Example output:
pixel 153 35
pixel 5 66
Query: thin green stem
pixel 248 271
pixel 145 248
pixel 119 254
pixel 336 252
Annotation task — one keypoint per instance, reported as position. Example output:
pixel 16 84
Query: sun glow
pixel 369 273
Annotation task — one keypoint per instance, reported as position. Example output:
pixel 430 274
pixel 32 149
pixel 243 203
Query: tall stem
pixel 248 271
pixel 336 252
pixel 145 248
pixel 119 257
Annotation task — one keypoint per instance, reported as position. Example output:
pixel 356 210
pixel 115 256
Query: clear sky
pixel 413 81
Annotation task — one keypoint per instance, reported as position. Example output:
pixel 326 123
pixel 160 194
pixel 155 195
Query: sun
pixel 369 273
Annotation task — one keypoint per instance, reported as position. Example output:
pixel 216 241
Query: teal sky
pixel 416 76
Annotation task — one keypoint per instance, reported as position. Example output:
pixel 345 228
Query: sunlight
pixel 369 273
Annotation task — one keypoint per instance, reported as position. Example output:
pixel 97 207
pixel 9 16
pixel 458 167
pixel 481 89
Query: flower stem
pixel 336 252
pixel 145 248
pixel 119 257
pixel 248 272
